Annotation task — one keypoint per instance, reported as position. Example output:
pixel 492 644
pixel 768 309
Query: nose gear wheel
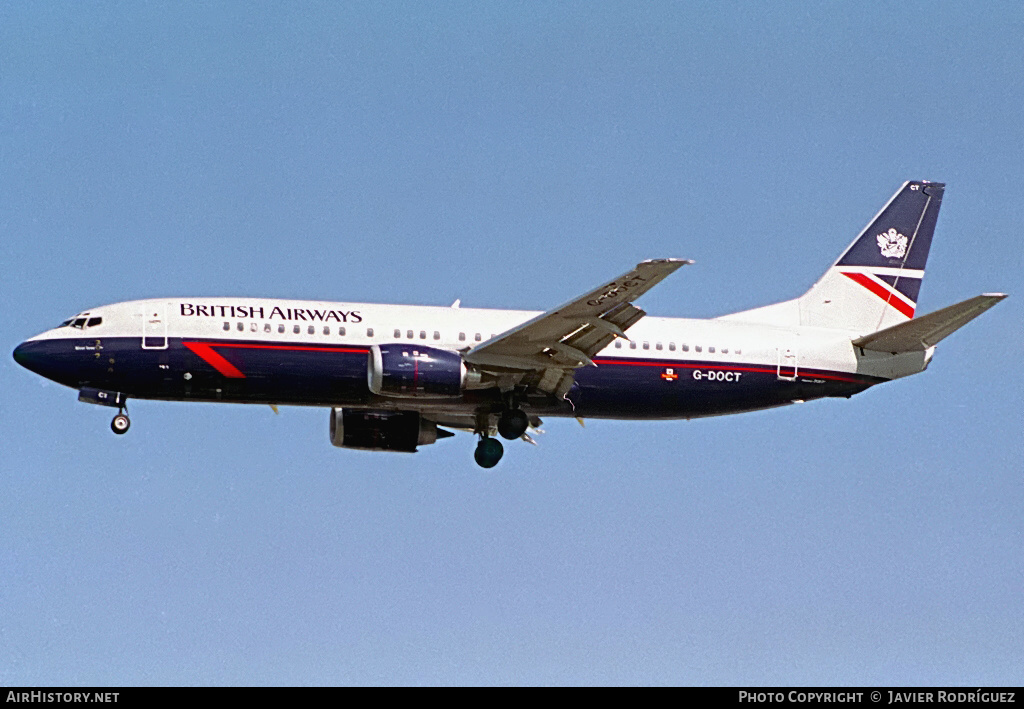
pixel 120 424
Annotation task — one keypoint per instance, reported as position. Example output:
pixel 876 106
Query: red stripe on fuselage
pixel 885 294
pixel 205 352
pixel 213 359
pixel 299 348
pixel 761 370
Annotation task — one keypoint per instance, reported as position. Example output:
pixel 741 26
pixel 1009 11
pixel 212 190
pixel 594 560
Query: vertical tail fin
pixel 875 283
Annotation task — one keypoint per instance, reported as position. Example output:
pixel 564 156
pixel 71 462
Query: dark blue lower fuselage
pixel 319 375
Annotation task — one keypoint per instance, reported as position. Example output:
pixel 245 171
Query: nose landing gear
pixel 121 423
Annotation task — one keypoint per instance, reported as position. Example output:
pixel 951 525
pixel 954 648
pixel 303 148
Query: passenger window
pixel 462 337
pixel 647 345
pixel 618 344
pixel 227 326
pixel 477 338
pixel 672 347
pixel 738 351
pixel 711 350
pixel 327 329
pixel 280 328
pixel 423 334
pixel 657 346
pixel 398 333
pixel 409 334
pixel 697 348
pixel 241 327
pixel 632 345
pixel 341 332
pixel 295 329
pixel 266 327
pixel 310 329
pixel 725 350
pixel 369 332
pixel 253 327
pixel 437 335
pixel 686 348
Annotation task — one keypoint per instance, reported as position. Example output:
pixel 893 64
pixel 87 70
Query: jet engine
pixel 414 371
pixel 383 430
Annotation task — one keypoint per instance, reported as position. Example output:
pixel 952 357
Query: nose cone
pixel 33 355
pixel 22 355
pixel 54 359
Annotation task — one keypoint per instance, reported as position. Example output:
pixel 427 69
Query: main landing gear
pixel 121 423
pixel 512 424
pixel 488 452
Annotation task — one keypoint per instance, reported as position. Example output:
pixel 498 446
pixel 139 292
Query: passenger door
pixel 154 326
pixel 787 363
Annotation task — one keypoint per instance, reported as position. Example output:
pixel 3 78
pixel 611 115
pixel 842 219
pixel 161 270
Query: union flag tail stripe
pixel 884 291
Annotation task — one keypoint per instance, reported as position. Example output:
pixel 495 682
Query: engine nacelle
pixel 382 430
pixel 414 371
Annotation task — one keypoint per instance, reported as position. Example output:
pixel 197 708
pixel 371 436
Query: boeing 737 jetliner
pixel 396 377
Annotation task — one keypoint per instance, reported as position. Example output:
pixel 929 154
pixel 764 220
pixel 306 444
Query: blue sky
pixel 511 155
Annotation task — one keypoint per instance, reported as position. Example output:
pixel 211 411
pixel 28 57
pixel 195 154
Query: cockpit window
pixel 82 321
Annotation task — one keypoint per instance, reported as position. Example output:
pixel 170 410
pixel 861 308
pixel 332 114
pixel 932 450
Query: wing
pixel 545 350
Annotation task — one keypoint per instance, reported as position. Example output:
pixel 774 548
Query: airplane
pixel 397 377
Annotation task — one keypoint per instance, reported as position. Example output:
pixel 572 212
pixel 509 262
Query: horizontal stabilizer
pixel 921 333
